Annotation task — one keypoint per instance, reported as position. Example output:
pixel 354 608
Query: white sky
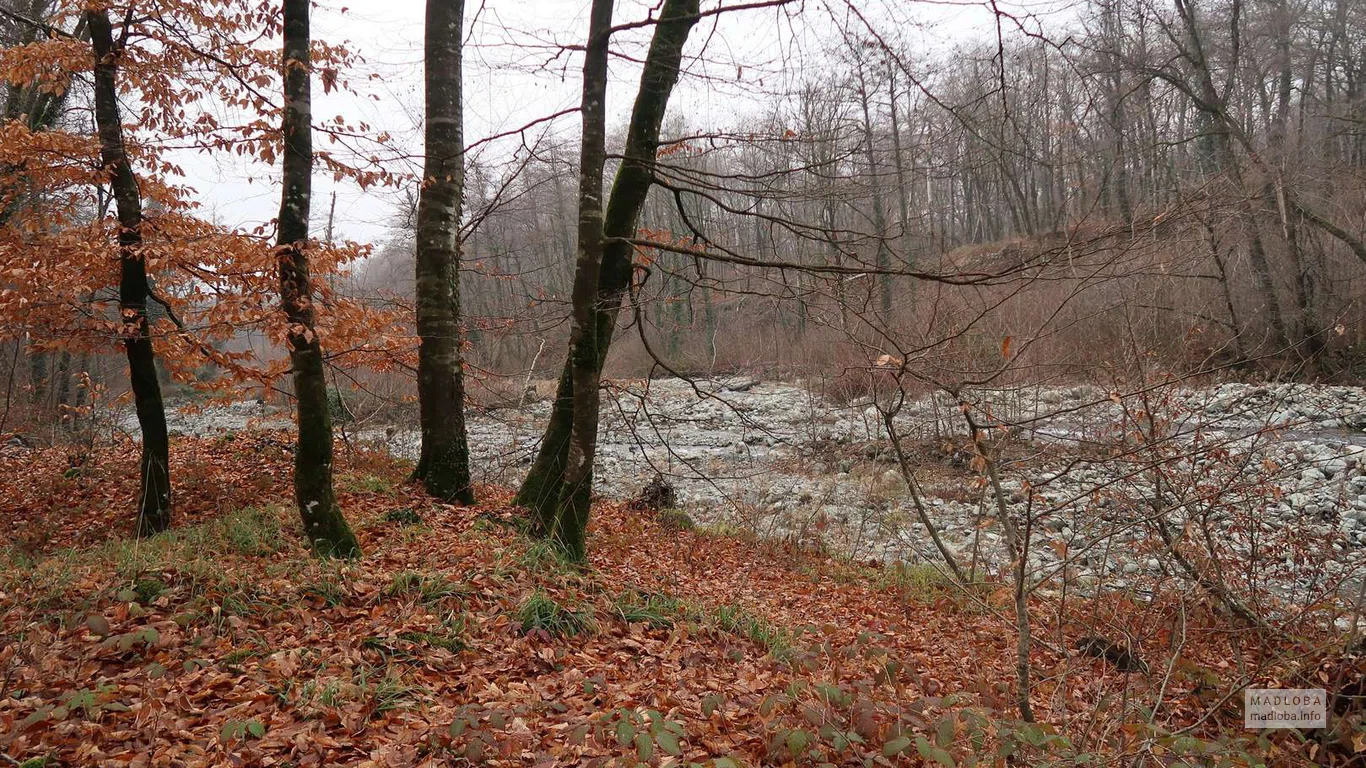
pixel 516 72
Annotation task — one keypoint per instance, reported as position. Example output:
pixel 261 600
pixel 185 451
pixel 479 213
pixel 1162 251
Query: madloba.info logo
pixel 1285 708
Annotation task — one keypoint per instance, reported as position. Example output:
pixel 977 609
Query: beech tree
pixel 324 524
pixel 154 502
pixel 444 463
pixel 559 485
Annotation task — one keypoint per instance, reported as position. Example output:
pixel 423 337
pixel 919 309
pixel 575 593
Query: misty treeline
pixel 1183 176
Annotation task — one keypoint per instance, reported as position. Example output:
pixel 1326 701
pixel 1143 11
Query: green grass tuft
pixel 254 532
pixel 739 620
pixel 676 520
pixel 366 484
pixel 443 640
pixel 403 516
pixel 329 588
pixel 540 611
pixel 544 556
pixel 659 611
pixel 429 587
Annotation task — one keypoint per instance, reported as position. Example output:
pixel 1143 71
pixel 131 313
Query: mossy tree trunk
pixel 566 520
pixel 154 487
pixel 444 464
pixel 324 524
pixel 558 486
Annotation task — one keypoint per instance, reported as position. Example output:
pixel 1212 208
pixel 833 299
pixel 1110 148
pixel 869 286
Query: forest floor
pixel 457 640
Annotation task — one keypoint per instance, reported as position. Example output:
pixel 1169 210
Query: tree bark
pixel 568 524
pixel 324 524
pixel 154 486
pixel 558 486
pixel 444 462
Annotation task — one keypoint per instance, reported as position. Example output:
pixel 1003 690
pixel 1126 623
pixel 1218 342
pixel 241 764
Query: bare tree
pixel 560 482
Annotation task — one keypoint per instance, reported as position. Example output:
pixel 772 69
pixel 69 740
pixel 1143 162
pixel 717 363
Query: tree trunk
pixel 1114 95
pixel 1235 327
pixel 557 489
pixel 568 520
pixel 154 494
pixel 1310 342
pixel 324 524
pixel 902 196
pixel 883 257
pixel 1218 154
pixel 444 463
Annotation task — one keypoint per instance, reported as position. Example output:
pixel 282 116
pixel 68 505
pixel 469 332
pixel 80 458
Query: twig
pixel 918 502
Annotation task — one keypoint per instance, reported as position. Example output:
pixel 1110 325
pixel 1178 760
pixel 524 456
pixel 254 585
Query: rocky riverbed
pixel 1274 475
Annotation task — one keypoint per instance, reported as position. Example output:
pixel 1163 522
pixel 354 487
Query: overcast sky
pixel 516 71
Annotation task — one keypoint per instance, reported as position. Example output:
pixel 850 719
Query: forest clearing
pixel 683 383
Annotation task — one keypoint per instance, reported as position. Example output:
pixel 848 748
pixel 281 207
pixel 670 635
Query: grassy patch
pixel 428 587
pixel 143 590
pixel 329 588
pixel 366 484
pixel 253 532
pixel 676 520
pixel 742 622
pixel 447 641
pixel 447 637
pixel 388 691
pixel 15 558
pixel 379 688
pixel 243 599
pixel 543 556
pixel 541 612
pixel 659 611
pixel 47 584
pixel 917 578
pixel 725 530
pixel 233 659
pixel 912 580
pixel 403 516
